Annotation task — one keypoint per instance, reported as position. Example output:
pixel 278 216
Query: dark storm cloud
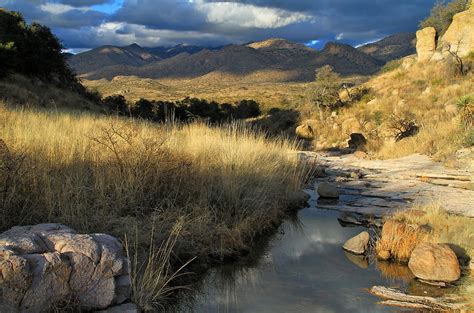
pixel 209 22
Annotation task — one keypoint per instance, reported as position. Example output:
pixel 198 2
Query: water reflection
pixel 303 269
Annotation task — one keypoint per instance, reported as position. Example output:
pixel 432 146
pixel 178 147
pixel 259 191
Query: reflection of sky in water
pixel 305 270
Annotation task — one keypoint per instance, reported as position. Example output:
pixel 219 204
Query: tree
pixel 325 90
pixel 247 109
pixel 117 104
pixel 442 14
pixel 32 50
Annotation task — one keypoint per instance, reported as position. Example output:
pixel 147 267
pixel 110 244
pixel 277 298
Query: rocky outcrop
pixel 425 43
pixel 326 190
pixel 357 142
pixel 434 262
pixel 305 131
pixel 459 37
pixel 357 244
pixel 49 264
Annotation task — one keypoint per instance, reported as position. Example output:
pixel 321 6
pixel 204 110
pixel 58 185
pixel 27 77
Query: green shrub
pixel 465 105
pixel 391 66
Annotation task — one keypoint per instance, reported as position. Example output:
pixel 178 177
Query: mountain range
pixel 273 60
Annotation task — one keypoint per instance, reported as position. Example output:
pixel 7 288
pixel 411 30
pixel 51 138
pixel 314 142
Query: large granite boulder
pixel 434 262
pixel 46 264
pixel 425 43
pixel 459 37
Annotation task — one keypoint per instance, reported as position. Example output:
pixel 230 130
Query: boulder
pixel 425 43
pixel 350 125
pixel 50 263
pixel 357 142
pixel 357 244
pixel 326 190
pixel 459 37
pixel 434 262
pixel 305 131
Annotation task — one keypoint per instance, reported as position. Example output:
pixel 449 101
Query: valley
pixel 271 162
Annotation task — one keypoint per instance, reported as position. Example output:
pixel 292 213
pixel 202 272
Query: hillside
pixel 105 56
pixel 296 62
pixel 392 47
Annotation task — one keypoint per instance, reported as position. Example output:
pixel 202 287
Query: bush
pixel 466 109
pixel 442 15
pixel 117 104
pixel 31 50
pixel 391 66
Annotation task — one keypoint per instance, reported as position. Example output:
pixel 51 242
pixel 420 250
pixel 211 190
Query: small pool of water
pixel 304 269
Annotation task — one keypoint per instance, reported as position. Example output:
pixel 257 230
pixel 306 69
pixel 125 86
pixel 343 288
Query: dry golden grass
pixel 428 92
pixel 455 230
pixel 107 174
pixel 444 227
pixel 399 239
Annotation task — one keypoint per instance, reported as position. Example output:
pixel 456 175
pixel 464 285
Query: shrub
pixel 403 125
pixel 391 66
pixel 466 109
pixel 117 104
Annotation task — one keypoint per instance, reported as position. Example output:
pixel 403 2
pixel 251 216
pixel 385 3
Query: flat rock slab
pixel 379 187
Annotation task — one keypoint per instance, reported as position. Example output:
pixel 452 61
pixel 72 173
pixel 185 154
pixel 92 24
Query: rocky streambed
pixel 304 268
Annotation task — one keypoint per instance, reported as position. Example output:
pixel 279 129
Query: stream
pixel 304 269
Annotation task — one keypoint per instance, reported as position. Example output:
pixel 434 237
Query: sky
pixel 85 24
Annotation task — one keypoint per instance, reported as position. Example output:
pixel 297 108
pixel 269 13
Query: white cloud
pixel 249 16
pixel 58 8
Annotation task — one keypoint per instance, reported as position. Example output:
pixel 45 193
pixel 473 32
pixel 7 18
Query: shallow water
pixel 304 269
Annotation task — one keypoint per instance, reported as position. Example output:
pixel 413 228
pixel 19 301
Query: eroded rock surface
pixel 46 264
pixel 385 186
pixel 425 43
pixel 459 37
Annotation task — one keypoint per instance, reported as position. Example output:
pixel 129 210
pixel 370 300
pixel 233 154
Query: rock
pixel 383 255
pixel 434 262
pixel 50 263
pixel 361 155
pixel 299 199
pixel 459 37
pixel 425 43
pixel 326 190
pixel 357 141
pixel 451 109
pixel 351 125
pixel 357 244
pixel 305 131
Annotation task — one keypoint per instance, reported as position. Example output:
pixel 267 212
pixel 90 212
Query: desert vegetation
pixel 185 110
pixel 121 176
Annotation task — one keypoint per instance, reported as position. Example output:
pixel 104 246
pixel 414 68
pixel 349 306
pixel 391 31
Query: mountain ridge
pixel 255 58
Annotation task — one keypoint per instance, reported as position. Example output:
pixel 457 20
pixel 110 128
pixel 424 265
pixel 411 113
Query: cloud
pixel 249 16
pixel 87 23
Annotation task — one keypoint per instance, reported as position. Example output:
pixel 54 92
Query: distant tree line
pixel 185 110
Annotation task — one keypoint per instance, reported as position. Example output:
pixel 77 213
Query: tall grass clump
pixel 226 185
